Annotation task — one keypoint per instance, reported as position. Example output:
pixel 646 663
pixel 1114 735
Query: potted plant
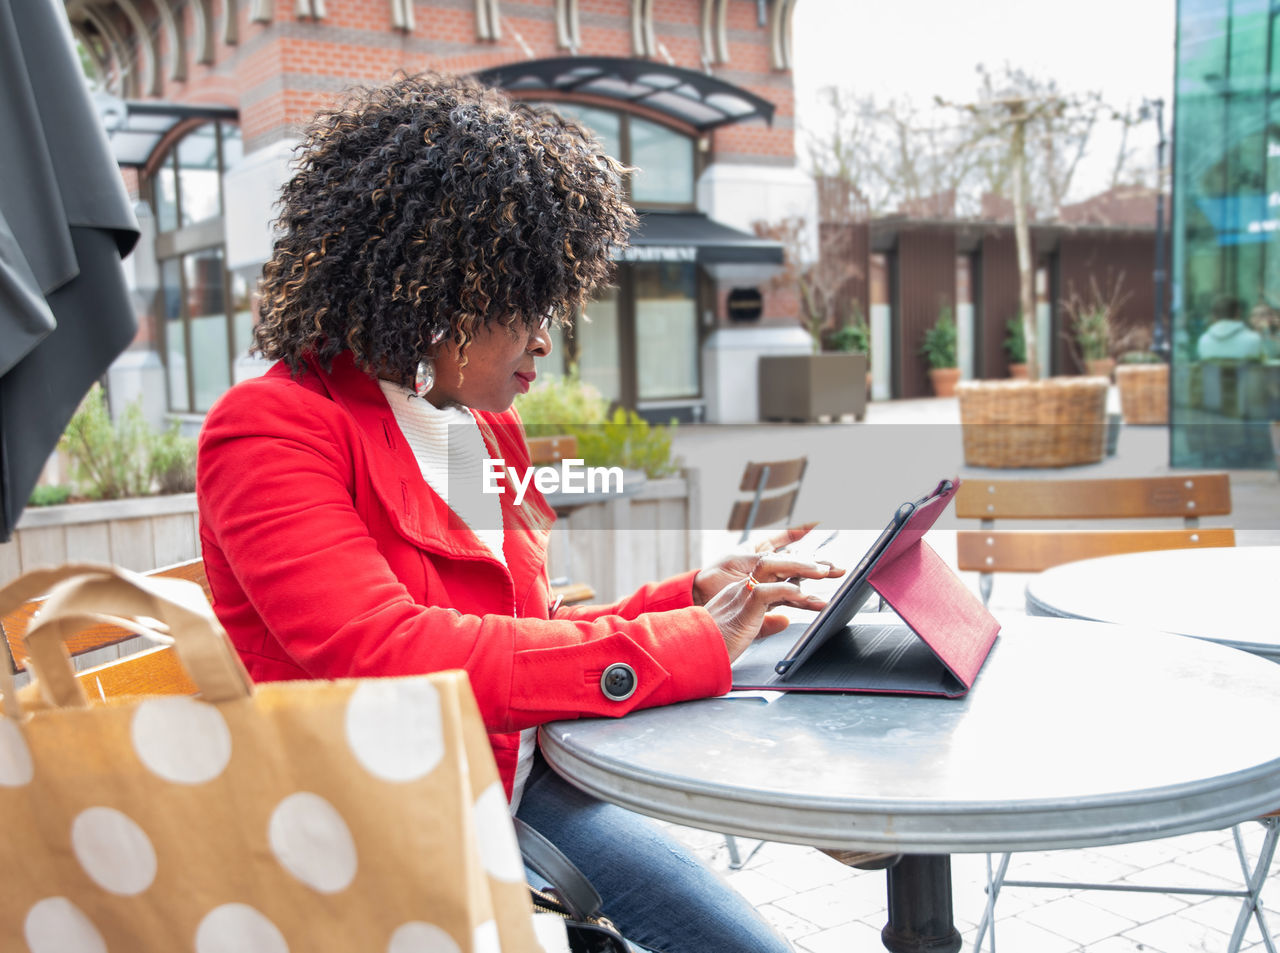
pixel 854 338
pixel 939 350
pixel 1142 380
pixel 822 384
pixel 1015 346
pixel 1093 325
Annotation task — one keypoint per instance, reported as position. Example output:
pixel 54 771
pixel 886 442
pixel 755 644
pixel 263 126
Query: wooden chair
pixel 767 494
pixel 152 671
pixel 990 550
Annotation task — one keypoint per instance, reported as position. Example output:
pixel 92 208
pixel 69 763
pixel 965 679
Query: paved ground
pixel 857 474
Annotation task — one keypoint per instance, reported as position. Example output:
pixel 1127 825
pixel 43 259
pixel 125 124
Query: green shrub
pixel 566 405
pixel 939 343
pixel 1093 334
pixel 555 403
pixel 1015 340
pixel 111 460
pixel 629 441
pixel 173 459
pixel 852 337
pixel 49 495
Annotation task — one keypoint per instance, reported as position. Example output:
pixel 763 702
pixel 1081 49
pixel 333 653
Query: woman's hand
pixel 735 567
pixel 741 609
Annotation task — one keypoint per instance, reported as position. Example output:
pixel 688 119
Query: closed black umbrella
pixel 65 223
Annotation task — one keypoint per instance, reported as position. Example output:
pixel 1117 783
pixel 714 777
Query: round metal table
pixel 1226 595
pixel 1074 734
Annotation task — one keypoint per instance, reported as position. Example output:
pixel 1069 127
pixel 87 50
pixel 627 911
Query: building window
pixel 1226 234
pixel 202 311
pixel 665 160
pixel 641 341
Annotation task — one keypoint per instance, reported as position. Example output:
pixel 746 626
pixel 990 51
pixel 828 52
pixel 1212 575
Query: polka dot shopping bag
pixel 361 816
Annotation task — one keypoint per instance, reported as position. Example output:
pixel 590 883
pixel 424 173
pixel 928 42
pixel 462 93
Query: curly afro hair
pixel 428 207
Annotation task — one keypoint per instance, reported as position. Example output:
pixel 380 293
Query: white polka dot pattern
pixel 15 757
pixel 318 812
pixel 113 850
pixel 419 937
pixel 499 851
pixel 486 938
pixel 550 931
pixel 238 928
pixel 181 739
pixel 394 728
pixel 56 925
pixel 312 842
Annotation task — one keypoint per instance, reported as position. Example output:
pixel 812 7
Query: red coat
pixel 329 556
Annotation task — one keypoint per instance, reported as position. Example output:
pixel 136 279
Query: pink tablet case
pixel 932 600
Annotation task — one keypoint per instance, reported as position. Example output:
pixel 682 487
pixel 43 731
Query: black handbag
pixel 570 896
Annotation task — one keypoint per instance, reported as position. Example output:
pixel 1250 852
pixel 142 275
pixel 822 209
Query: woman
pixel 430 235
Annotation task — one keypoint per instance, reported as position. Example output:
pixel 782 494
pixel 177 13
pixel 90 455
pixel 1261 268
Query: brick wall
pixel 279 73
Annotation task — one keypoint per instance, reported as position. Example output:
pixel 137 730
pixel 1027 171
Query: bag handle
pixel 570 884
pixel 172 611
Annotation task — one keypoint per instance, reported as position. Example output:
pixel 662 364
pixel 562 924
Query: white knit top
pixel 450 451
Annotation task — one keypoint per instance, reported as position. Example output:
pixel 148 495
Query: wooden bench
pixel 152 671
pixel 989 550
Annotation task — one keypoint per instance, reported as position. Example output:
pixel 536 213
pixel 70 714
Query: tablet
pixel 933 643
pixel 914 518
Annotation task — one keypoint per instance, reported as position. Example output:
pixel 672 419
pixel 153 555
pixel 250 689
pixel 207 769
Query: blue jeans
pixel 657 893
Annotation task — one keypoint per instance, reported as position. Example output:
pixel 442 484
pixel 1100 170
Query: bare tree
pixel 893 154
pixel 845 151
pixel 820 284
pixel 897 156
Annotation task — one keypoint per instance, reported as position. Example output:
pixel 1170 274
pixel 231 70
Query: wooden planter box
pixel 615 547
pixel 139 534
pixel 813 386
pixel 1144 393
pixel 1057 422
pixel 619 545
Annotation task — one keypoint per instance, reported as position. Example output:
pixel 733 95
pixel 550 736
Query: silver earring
pixel 424 378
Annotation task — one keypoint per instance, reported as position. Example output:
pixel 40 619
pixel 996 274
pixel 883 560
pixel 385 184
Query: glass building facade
pixel 1226 234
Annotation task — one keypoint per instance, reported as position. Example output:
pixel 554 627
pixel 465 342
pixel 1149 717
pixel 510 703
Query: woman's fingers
pixel 785 538
pixel 741 611
pixel 776 566
pixel 773 624
pixel 769 595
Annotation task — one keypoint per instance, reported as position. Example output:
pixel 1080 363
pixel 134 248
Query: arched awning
pixel 696 99
pixel 135 127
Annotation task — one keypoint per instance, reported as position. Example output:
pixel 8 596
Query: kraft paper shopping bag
pixel 358 816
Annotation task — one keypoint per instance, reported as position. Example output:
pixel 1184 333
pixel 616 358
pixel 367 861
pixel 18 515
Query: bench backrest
pixel 154 671
pixel 544 450
pixel 987 550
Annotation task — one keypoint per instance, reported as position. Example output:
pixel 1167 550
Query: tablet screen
pixel 856 588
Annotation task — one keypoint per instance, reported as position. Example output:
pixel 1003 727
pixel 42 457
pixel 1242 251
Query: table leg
pixel 920 917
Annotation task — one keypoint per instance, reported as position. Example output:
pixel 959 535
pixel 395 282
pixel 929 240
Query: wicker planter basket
pixel 1057 422
pixel 1144 393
